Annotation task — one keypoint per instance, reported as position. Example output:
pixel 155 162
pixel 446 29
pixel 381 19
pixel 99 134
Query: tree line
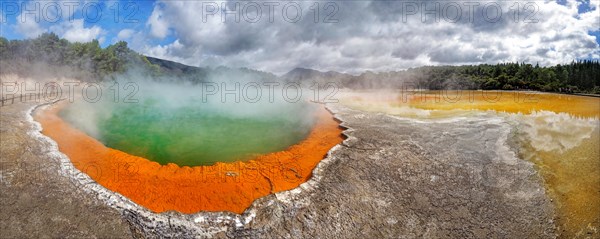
pixel 87 57
pixel 581 76
pixel 577 76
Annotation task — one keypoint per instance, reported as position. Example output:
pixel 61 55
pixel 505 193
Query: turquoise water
pixel 195 133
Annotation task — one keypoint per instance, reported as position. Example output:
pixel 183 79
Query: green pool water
pixel 196 133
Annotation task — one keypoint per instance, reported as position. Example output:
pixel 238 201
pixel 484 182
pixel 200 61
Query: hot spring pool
pixel 194 133
pixel 125 148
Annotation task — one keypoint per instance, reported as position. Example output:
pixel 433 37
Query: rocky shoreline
pixel 391 177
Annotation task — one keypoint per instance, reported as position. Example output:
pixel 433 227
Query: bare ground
pixel 392 177
pixel 36 200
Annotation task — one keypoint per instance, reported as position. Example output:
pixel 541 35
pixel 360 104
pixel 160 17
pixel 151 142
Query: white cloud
pixel 371 35
pixel 28 26
pixel 75 31
pixel 159 28
pixel 125 34
pixel 168 52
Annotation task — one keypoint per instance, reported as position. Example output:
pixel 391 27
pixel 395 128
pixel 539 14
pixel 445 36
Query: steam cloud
pixel 219 94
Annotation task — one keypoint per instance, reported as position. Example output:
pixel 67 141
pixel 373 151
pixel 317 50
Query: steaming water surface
pixel 219 187
pixel 189 130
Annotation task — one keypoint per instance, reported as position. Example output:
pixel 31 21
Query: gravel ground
pixel 392 177
pixel 36 200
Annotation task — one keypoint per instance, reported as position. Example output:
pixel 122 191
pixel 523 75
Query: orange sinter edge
pixel 220 187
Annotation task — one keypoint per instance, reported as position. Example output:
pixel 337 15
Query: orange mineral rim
pixel 219 187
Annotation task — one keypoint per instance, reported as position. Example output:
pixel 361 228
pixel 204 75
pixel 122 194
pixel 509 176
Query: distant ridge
pixel 300 74
pixel 196 74
pixel 173 66
pixel 309 76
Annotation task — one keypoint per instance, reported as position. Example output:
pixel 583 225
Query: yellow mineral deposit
pixel 557 132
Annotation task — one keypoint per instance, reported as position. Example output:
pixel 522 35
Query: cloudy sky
pixel 346 36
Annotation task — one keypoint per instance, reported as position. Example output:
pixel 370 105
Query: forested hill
pixel 577 76
pixel 48 55
pixel 89 61
pixel 79 59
